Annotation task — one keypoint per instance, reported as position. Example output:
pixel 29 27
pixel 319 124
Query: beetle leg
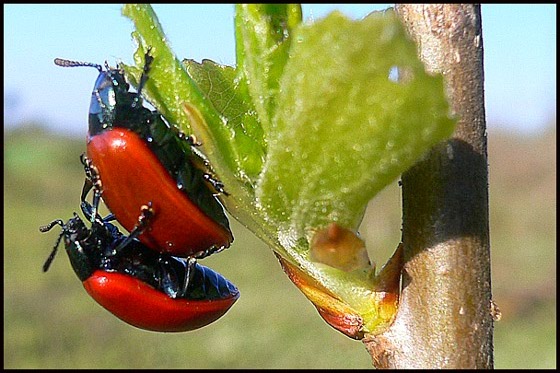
pixel 148 59
pixel 109 218
pixel 211 250
pixel 217 184
pixel 169 280
pixel 146 213
pixel 86 188
pixel 190 139
pixel 88 182
pixel 189 271
pixel 92 181
pixel 87 209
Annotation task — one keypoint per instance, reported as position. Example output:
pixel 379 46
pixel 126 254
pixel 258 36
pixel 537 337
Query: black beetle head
pixel 110 90
pixel 73 232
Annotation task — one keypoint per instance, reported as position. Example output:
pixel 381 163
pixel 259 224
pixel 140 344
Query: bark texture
pixel 444 318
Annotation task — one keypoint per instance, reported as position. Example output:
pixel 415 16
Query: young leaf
pixel 228 95
pixel 263 36
pixel 343 128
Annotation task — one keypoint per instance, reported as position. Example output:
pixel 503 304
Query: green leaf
pixel 344 129
pixel 263 36
pixel 228 96
pixel 177 86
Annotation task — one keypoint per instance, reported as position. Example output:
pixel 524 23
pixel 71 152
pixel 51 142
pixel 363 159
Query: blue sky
pixel 519 44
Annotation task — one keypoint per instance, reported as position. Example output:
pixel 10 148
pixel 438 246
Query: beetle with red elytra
pixel 149 290
pixel 136 159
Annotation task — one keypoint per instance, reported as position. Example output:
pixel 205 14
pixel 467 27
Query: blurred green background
pixel 50 321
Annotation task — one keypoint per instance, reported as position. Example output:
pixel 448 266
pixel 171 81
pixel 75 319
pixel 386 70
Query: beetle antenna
pixel 46 228
pixel 68 63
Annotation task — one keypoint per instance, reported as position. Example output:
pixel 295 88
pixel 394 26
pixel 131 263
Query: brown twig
pixel 444 318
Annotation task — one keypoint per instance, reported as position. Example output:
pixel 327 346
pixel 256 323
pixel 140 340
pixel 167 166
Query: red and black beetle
pixel 135 159
pixel 149 290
